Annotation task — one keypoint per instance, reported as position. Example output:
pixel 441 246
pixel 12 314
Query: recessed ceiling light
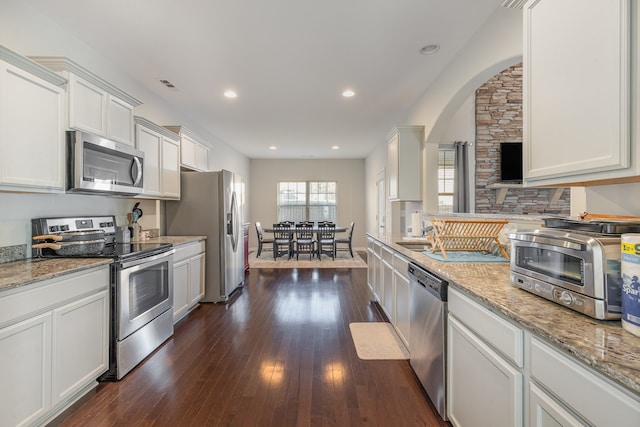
pixel 230 94
pixel 335 147
pixel 430 49
pixel 348 93
pixel 273 147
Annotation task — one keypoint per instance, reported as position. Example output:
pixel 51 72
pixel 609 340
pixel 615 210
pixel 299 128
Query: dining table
pixel 315 228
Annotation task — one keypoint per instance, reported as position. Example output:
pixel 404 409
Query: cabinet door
pixel 196 279
pixel 25 369
pixel 483 388
pixel 31 130
pixel 119 121
pixel 202 157
pixel 188 152
pixel 181 271
pixel 403 305
pixel 544 411
pixel 576 90
pixel 377 274
pixel 170 169
pixel 150 142
pixel 370 271
pixel 80 344
pixel 87 106
pixel 388 291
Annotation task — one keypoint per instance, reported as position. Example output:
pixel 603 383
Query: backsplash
pixel 13 253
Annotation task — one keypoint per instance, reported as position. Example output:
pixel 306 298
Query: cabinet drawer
pixel 504 336
pixel 187 251
pixel 594 398
pixel 387 255
pixel 401 265
pixel 48 294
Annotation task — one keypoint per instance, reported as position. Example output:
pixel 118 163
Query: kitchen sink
pixel 413 246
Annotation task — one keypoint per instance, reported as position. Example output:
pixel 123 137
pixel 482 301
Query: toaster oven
pixel 580 271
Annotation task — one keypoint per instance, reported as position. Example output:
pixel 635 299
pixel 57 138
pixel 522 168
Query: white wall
pixel 349 175
pixel 496 46
pixel 28 32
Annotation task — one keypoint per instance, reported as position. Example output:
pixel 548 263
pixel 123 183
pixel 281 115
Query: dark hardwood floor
pixel 279 354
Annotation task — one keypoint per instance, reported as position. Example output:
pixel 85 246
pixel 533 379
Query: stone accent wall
pixel 499 119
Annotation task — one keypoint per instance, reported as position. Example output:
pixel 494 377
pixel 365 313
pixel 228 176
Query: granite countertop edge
pixel 174 240
pixel 25 272
pixel 603 345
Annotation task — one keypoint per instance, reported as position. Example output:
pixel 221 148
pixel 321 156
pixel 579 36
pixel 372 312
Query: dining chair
pixel 261 239
pixel 346 240
pixel 282 237
pixel 305 242
pixel 326 240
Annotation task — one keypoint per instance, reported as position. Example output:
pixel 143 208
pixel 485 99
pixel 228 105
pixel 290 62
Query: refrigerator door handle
pixel 231 219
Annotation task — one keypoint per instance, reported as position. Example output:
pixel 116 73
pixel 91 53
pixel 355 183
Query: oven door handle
pixel 145 260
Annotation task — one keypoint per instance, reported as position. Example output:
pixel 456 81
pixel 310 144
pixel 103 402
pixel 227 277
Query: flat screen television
pixel 511 162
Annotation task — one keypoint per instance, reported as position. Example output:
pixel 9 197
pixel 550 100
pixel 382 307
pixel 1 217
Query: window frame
pixel 309 204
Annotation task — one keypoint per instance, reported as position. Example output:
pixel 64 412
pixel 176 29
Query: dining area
pixel 290 239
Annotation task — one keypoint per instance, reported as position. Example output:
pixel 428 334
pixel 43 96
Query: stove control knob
pixel 54 228
pixel 566 298
pixel 64 228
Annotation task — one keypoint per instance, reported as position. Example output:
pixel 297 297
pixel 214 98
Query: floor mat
pixel 343 260
pixel 377 341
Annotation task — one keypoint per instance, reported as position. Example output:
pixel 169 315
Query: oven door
pixel 145 290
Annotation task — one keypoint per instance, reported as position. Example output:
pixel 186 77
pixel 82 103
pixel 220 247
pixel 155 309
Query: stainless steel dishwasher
pixel 428 338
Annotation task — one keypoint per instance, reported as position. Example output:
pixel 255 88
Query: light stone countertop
pixel 174 240
pixel 603 345
pixel 20 273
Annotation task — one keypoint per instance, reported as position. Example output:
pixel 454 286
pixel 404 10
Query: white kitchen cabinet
pixel 194 153
pixel 80 344
pixel 574 388
pixel 545 411
pixel 32 139
pixel 388 292
pixel 93 104
pixel 376 266
pixel 188 278
pixel 404 146
pixel 403 297
pixel 371 279
pixel 483 388
pixel 484 366
pixel 579 92
pixel 161 160
pixel 53 344
pixel 25 356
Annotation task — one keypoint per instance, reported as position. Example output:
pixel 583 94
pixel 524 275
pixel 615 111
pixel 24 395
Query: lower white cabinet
pixel 483 388
pixel 403 298
pixel 388 288
pixel 188 278
pixel 500 375
pixel 574 388
pixel 53 345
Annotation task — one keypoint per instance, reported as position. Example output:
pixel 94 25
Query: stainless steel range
pixel 141 284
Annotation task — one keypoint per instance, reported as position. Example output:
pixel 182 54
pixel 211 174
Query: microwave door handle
pixel 137 167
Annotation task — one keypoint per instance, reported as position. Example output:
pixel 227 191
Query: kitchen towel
pixel 630 271
pixel 416 224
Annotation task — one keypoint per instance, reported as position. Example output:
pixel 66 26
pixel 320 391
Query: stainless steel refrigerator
pixel 211 204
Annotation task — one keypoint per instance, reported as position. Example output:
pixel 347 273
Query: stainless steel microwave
pixel 99 165
pixel 580 271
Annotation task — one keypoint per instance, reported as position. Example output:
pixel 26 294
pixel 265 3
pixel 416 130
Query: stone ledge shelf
pixel 502 189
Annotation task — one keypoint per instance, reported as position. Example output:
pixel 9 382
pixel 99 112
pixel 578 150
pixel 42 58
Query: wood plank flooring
pixel 279 354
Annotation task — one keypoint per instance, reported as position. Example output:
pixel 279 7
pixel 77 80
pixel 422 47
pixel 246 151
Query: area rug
pixel 465 256
pixel 377 341
pixel 343 260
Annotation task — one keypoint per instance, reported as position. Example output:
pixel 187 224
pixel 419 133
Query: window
pixel 307 201
pixel 446 174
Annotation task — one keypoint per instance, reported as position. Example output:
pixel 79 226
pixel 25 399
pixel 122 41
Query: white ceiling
pixel 289 61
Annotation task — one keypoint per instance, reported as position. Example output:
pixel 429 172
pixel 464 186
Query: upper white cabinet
pixel 580 86
pixel 194 153
pixel 94 105
pixel 404 145
pixel 161 159
pixel 31 125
